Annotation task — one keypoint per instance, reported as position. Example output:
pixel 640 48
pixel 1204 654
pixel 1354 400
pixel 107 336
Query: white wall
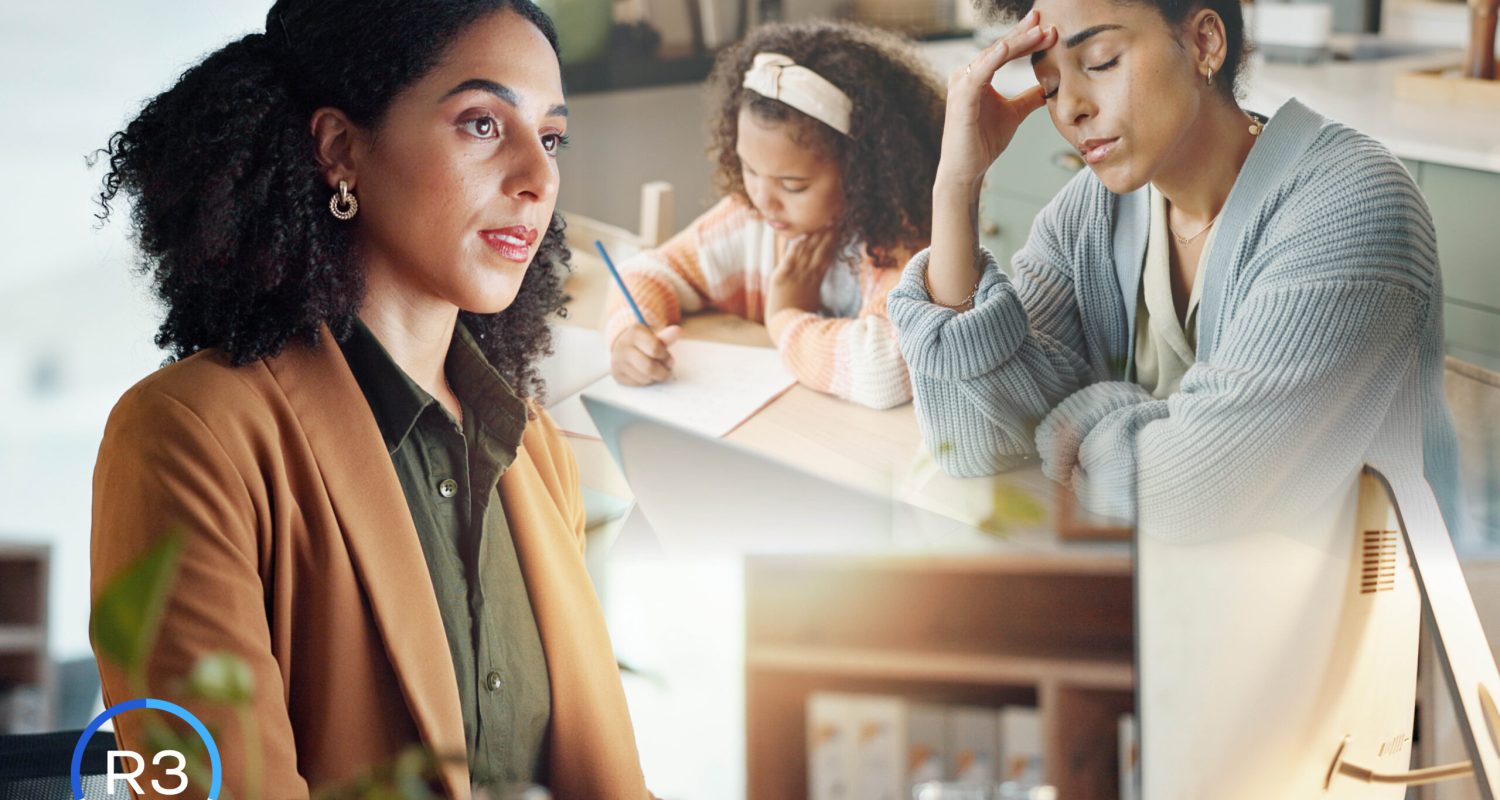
pixel 624 139
pixel 75 323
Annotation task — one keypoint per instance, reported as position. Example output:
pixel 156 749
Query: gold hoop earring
pixel 343 204
pixel 1208 77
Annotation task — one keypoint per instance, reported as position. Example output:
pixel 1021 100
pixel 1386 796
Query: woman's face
pixel 457 186
pixel 795 189
pixel 1121 87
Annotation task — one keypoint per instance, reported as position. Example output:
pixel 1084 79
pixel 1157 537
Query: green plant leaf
pixel 222 677
pixel 128 612
pixel 1011 507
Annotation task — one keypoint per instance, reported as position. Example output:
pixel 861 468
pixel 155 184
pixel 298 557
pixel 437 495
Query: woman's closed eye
pixel 1048 94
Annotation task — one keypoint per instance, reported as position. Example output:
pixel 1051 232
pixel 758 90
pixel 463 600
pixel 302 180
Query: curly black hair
pixel 229 208
pixel 1176 13
pixel 888 162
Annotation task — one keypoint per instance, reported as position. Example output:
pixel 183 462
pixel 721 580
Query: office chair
pixel 38 766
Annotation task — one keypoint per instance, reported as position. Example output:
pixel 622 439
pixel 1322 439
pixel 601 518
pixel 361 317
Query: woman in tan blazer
pixel 349 219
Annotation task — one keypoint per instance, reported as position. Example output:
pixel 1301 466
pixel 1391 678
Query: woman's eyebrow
pixel 506 94
pixel 1078 39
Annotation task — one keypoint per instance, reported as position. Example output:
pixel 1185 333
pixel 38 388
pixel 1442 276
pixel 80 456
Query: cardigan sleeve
pixel 160 470
pixel 1302 380
pixel 983 378
pixel 701 266
pixel 856 359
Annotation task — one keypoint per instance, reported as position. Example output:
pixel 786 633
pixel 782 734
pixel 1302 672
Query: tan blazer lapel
pixel 378 530
pixel 593 753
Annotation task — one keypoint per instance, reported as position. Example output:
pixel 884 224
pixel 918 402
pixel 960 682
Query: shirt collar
pixel 398 402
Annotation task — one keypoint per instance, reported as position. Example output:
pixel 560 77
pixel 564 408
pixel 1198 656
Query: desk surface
pixel 878 452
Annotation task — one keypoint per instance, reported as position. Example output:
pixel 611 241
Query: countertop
pixel 1362 96
pixel 1358 94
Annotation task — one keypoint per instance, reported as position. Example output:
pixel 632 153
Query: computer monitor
pixel 1282 663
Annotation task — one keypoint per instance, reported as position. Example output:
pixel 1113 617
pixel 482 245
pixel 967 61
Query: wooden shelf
pixel 1053 630
pixel 23 620
pixel 923 667
pixel 22 639
pixel 1097 559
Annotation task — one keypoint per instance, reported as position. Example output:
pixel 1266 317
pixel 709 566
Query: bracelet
pixel 966 304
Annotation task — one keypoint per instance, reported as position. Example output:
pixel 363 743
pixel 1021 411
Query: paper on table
pixel 714 388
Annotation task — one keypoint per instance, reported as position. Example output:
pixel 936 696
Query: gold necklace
pixel 1189 239
pixel 1255 129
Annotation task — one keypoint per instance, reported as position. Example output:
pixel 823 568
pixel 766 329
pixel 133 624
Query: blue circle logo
pixel 158 705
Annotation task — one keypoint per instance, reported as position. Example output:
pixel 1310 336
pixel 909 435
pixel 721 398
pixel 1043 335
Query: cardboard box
pixel 831 736
pixel 973 745
pixel 1020 734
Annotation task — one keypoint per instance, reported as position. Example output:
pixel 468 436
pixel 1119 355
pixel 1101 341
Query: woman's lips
pixel 1096 150
pixel 512 243
pixel 778 224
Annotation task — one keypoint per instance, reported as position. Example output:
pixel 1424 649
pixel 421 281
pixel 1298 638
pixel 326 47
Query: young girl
pixel 827 142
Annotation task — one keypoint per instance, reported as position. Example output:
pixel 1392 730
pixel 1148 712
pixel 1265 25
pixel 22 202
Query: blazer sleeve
pixel 161 469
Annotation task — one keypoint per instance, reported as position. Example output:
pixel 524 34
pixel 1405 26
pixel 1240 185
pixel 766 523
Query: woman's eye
pixel 1049 94
pixel 1106 65
pixel 481 127
pixel 554 142
pixel 793 189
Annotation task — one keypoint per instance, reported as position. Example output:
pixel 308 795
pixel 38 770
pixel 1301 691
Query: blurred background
pixel 77 323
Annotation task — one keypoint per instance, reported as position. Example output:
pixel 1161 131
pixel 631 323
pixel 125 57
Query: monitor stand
pixel 1462 649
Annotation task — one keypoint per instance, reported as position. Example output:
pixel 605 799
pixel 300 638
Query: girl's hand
pixel 798 279
pixel 638 357
pixel 980 122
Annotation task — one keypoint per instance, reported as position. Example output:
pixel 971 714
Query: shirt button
pixel 493 682
pixel 448 488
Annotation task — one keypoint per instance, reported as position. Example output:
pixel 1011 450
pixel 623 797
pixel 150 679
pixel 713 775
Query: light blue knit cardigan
pixel 1320 345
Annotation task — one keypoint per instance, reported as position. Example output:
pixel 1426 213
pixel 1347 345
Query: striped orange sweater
pixel 724 261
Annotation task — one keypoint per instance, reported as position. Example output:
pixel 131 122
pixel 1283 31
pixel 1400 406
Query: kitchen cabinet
pixel 1464 203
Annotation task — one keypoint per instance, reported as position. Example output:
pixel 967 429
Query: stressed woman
pixel 349 220
pixel 1217 322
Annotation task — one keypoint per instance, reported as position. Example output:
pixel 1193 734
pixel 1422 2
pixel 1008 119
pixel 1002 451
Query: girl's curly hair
pixel 889 160
pixel 229 208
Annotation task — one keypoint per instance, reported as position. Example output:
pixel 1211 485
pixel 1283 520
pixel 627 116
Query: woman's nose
pixel 528 172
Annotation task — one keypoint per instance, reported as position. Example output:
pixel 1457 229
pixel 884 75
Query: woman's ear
pixel 336 141
pixel 1206 42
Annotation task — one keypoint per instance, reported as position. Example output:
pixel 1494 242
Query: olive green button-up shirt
pixel 450 475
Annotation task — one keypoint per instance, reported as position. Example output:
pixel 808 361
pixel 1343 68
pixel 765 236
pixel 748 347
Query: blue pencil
pixel 620 282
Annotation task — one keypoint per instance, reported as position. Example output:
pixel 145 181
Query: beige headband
pixel 775 76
